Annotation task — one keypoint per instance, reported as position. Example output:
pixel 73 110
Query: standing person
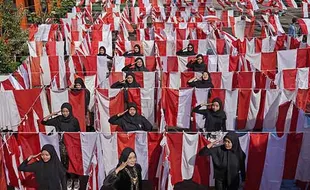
pixel 215 118
pixel 65 122
pixel 135 52
pixel 292 29
pixel 228 162
pixel 78 86
pixel 198 64
pixel 103 52
pixel 130 120
pixel 128 82
pixel 204 81
pixel 189 51
pixel 138 65
pixel 48 170
pixel 127 174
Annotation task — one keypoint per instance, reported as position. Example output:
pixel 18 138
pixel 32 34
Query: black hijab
pixel 139 52
pixel 134 83
pixel 135 119
pixel 69 118
pixel 220 113
pixel 51 173
pixel 142 68
pixel 87 93
pixel 233 159
pixel 124 155
pixel 199 66
pixel 192 52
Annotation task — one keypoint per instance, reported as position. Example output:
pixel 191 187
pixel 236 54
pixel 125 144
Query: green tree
pixel 13 39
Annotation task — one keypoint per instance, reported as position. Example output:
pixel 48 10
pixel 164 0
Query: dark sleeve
pixel 190 65
pixel 126 68
pixel 224 125
pixel 52 122
pixel 126 53
pixel 147 126
pixel 63 180
pixel 205 151
pixel 242 168
pixel 111 179
pixel 191 84
pixel 180 52
pixel 117 85
pixel 202 112
pixel 115 120
pixel 25 167
pixel 139 170
pixel 77 125
pixel 213 152
pixel 109 57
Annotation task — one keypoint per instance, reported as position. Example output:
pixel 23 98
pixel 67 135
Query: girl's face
pixel 78 86
pixel 129 79
pixel 215 106
pixel 101 51
pixel 228 144
pixel 132 159
pixel 136 49
pixel 132 111
pixel 65 112
pixel 199 60
pixel 205 76
pixel 190 48
pixel 139 63
pixel 45 156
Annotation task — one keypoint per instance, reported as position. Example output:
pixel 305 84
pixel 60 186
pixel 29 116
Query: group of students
pixel 228 162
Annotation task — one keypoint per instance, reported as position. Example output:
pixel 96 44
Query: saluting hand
pixel 120 114
pixel 34 156
pixel 121 167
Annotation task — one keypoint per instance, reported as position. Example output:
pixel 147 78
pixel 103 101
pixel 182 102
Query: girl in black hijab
pixel 137 66
pixel 189 51
pixel 228 161
pixel 215 118
pixel 198 64
pixel 65 122
pixel 135 52
pixel 129 82
pixel 130 120
pixel 49 172
pixel 127 175
pixel 204 82
pixel 103 52
pixel 78 86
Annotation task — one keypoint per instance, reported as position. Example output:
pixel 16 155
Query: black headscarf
pixel 187 52
pixel 124 155
pixel 220 113
pixel 129 118
pixel 70 116
pixel 87 93
pixel 134 83
pixel 52 172
pixel 142 68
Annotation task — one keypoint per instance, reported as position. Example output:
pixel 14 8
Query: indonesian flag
pixel 293 79
pixel 304 25
pixel 145 34
pixel 45 68
pixel 305 9
pixel 263 61
pixel 111 102
pixel 274 24
pixel 291 3
pixel 228 63
pixel 76 99
pixel 10 83
pixel 101 33
pixel 266 44
pixel 176 105
pixel 292 59
pixel 45 32
pixel 51 48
